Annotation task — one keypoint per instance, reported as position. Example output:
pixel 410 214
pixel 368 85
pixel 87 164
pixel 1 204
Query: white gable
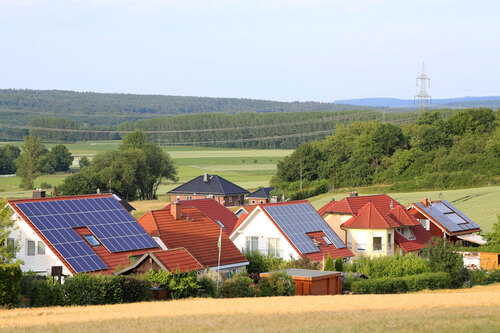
pixel 40 263
pixel 258 224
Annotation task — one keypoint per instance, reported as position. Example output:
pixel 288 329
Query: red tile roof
pixel 213 210
pixel 369 217
pixel 178 259
pixel 112 260
pixel 403 217
pixel 325 249
pixel 241 219
pixel 422 237
pixel 351 205
pixel 195 232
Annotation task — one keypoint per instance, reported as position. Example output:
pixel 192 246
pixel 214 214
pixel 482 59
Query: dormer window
pixel 315 241
pixel 327 240
pixel 92 240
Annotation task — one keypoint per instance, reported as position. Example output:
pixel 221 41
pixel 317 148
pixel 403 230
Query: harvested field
pixel 464 310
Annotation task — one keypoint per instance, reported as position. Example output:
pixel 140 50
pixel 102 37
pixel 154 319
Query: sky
pixel 283 50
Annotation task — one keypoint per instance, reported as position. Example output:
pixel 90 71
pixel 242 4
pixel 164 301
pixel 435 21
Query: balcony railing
pixel 268 252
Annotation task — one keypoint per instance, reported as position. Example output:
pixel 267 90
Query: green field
pixel 249 168
pixel 481 204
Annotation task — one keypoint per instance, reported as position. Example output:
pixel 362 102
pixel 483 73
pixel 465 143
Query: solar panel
pixel 442 207
pixel 296 220
pixel 114 228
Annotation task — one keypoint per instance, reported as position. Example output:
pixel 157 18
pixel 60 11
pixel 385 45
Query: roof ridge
pixel 65 197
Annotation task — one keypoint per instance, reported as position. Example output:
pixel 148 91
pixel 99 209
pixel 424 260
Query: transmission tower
pixel 423 97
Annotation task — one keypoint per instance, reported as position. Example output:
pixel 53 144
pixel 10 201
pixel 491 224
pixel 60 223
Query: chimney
pixel 175 210
pixel 274 199
pixel 425 202
pixel 353 194
pixel 205 178
pixel 38 194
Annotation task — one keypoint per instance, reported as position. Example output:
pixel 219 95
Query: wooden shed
pixel 312 282
pixel 489 260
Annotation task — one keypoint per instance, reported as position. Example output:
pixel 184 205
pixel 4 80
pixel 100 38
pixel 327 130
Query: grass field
pixel 465 310
pixel 481 204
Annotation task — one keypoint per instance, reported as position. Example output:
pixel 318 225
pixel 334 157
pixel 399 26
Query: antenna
pixel 423 97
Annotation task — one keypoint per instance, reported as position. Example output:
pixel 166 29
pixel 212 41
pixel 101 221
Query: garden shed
pixel 313 282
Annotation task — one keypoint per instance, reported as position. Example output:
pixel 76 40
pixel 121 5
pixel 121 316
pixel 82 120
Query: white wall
pixel 40 263
pixel 259 225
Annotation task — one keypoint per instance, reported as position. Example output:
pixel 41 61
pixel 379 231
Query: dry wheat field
pixel 466 310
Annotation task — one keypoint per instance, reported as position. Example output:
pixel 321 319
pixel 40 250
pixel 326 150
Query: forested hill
pixel 20 106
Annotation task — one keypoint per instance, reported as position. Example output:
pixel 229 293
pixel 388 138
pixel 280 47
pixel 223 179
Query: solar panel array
pixel 296 220
pixel 449 217
pixel 117 230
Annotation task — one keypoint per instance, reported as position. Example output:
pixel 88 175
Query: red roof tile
pixel 401 215
pixel 422 237
pixel 199 235
pixel 213 210
pixel 369 217
pixel 178 259
pixel 351 205
pixel 326 249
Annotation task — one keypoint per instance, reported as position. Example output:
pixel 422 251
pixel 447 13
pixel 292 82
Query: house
pixel 214 210
pixel 444 220
pixel 210 186
pixel 313 282
pixel 122 202
pixel 260 196
pixel 188 227
pixel 174 260
pixel 375 225
pixel 244 210
pixel 88 233
pixel 288 230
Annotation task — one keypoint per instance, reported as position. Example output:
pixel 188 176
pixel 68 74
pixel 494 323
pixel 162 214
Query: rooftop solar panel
pixel 453 220
pixel 296 220
pixel 117 230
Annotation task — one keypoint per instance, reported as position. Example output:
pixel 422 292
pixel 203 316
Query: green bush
pixel 484 277
pixel 28 281
pixel 395 266
pixel 136 288
pixel 238 286
pixel 329 264
pixel 46 293
pixel 347 282
pixel 339 264
pixel 10 287
pixel 180 285
pixel 259 263
pixel 277 284
pixel 392 285
pixel 208 282
pixel 87 289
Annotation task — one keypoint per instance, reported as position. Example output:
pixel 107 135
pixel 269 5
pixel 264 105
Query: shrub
pixel 395 266
pixel 259 263
pixel 484 277
pixel 10 288
pixel 45 185
pixel 304 263
pixel 391 285
pixel 27 283
pixel 277 284
pixel 238 286
pixel 87 289
pixel 180 285
pixel 46 292
pixel 339 264
pixel 208 282
pixel 135 288
pixel 329 265
pixel 347 282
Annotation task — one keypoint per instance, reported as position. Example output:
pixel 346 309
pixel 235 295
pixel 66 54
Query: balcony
pixel 278 253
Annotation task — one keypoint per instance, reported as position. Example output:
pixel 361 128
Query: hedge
pixel 392 285
pixel 10 288
pixel 238 286
pixel 277 284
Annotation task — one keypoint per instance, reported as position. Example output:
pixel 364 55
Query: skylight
pixel 220 224
pixel 327 240
pixel 92 240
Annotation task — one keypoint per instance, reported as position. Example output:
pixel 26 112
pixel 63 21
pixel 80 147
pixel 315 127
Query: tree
pixel 329 265
pixel 339 264
pixel 9 249
pixel 134 140
pixel 84 162
pixel 29 163
pixel 493 237
pixel 7 156
pixel 60 158
pixel 443 258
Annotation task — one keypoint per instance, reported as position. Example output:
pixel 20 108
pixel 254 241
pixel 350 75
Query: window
pixel 262 201
pixel 253 202
pixel 220 224
pixel 10 242
pixel 188 198
pixel 273 247
pixel 41 248
pixel 389 242
pixel 230 199
pixel 377 243
pixel 327 240
pixel 361 240
pixel 30 248
pixel 425 223
pixel 349 240
pixel 92 240
pixel 252 243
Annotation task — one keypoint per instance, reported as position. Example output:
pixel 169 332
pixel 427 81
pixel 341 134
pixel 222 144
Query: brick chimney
pixel 175 210
pixel 205 178
pixel 425 202
pixel 353 194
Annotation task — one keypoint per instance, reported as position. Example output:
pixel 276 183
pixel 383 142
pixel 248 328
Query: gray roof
pixel 297 272
pixel 448 216
pixel 261 193
pixel 209 184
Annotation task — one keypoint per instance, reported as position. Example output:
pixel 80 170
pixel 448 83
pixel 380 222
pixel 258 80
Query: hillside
pixel 461 310
pixel 462 102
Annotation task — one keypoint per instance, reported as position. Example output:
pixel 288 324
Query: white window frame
pixel 390 242
pixel 40 248
pixel 250 241
pixel 28 242
pixel 276 249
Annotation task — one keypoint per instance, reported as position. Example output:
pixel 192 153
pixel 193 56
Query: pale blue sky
pixel 305 50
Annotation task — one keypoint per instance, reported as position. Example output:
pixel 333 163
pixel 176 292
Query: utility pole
pixel 423 97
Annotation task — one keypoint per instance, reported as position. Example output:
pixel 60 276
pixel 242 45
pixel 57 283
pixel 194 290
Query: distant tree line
pixel 461 151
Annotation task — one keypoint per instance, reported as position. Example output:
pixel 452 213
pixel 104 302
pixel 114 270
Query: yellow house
pixel 375 225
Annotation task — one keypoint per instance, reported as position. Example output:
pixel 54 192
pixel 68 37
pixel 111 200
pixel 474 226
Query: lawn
pixel 480 204
pixel 463 310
